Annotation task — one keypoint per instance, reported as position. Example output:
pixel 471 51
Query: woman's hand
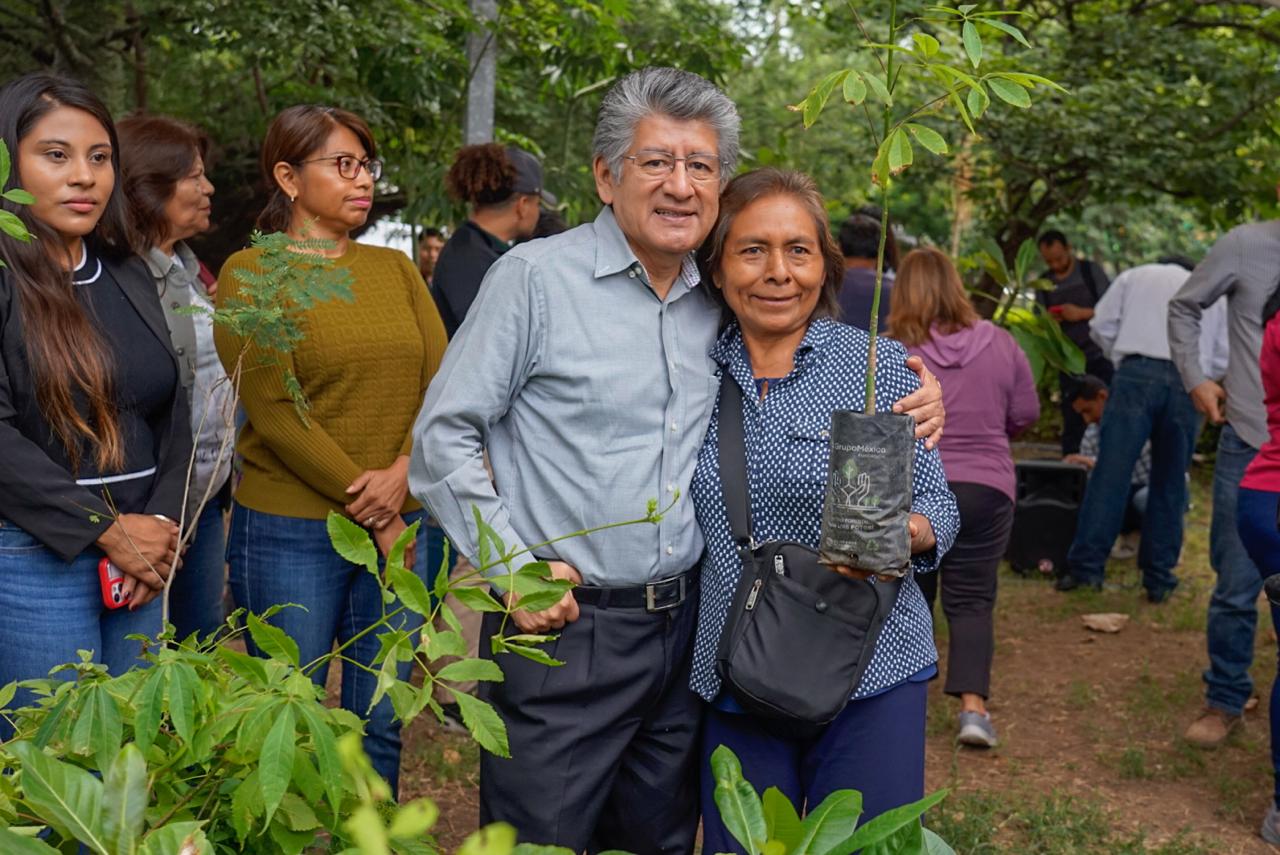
pixel 924 404
pixel 386 537
pixel 143 547
pixel 136 593
pixel 922 537
pixel 379 494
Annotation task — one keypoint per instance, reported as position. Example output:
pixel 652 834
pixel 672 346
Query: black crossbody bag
pixel 799 636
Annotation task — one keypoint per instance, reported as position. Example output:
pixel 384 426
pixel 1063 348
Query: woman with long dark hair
pixel 163 167
pixel 94 440
pixel 990 396
pixel 364 368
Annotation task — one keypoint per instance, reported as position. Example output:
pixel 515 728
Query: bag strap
pixel 735 482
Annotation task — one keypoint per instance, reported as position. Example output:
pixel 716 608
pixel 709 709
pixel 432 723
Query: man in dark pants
pixel 583 368
pixel 1078 284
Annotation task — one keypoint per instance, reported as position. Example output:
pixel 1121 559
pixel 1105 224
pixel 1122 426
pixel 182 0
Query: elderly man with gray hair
pixel 583 369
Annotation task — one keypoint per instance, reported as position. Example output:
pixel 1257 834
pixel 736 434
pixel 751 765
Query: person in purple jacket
pixel 990 396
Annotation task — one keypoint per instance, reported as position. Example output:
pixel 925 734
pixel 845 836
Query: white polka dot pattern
pixel 787 449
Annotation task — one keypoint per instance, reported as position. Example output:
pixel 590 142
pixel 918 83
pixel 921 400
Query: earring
pixel 292 198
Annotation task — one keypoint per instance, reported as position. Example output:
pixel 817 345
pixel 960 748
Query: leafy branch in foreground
pixel 10 224
pixel 943 79
pixel 212 750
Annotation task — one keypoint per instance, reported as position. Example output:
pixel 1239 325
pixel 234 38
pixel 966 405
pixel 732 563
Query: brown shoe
pixel 1212 727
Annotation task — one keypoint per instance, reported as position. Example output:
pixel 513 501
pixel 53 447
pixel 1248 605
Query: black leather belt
pixel 658 596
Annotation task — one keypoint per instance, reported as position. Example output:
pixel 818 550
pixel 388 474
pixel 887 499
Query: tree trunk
pixel 482 57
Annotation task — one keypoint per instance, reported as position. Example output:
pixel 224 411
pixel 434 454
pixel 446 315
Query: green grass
pixel 1080 695
pixel 980 822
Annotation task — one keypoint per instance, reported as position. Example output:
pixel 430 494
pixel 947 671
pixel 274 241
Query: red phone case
pixel 111 578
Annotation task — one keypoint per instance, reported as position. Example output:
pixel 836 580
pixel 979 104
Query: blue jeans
pixel 49 609
pixel 195 598
pixel 277 559
pixel 1233 608
pixel 1261 538
pixel 875 746
pixel 1147 402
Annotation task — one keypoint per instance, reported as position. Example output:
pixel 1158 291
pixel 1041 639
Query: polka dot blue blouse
pixel 787 446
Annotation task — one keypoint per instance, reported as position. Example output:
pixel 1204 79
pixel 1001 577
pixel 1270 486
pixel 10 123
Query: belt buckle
pixel 650 599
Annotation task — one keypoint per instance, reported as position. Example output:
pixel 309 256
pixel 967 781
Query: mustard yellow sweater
pixel 364 368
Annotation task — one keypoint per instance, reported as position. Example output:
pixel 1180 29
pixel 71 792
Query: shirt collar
pixel 89 268
pixel 614 254
pixel 495 243
pixel 729 348
pixel 161 265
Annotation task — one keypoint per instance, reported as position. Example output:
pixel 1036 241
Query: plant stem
pixel 873 326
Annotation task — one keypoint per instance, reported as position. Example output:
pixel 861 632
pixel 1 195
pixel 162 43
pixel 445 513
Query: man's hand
pixel 379 494
pixel 143 546
pixel 1208 398
pixel 924 405
pixel 386 537
pixel 922 537
pixel 1080 460
pixel 565 611
pixel 1071 312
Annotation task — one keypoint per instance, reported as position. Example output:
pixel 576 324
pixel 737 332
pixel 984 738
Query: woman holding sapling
pixel 772 260
pixel 163 166
pixel 94 438
pixel 990 397
pixel 363 368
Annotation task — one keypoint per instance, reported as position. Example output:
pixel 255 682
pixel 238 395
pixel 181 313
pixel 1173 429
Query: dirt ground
pixel 1090 757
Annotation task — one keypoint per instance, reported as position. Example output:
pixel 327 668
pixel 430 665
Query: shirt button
pixel 631 274
pixel 671 488
pixel 181 351
pixel 671 550
pixel 673 427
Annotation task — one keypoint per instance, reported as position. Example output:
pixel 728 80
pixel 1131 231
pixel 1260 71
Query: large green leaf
pixel 414 819
pixel 878 88
pixel 826 827
pixel 484 723
pixel 99 728
pixel 352 542
pixel 978 100
pixel 395 558
pixel 900 154
pixel 176 838
pixel 928 137
pixel 495 839
pixel 972 42
pixel 149 709
pixel 1008 29
pixel 12 843
pixel 365 825
pixel 478 600
pixel 14 227
pixel 65 796
pixel 1009 92
pixel 740 808
pixel 890 822
pixel 855 90
pixel 273 641
pixel 411 590
pixel 781 822
pixel 275 763
pixel 5 163
pixel 19 196
pixel 124 800
pixel 817 99
pixel 935 845
pixel 926 44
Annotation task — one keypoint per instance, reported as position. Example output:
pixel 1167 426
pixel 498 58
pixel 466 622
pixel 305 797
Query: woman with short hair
pixel 990 397
pixel 364 367
pixel 163 165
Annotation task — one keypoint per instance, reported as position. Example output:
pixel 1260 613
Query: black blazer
pixel 36 493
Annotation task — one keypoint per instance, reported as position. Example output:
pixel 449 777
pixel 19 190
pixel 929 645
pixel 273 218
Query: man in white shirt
pixel 1147 403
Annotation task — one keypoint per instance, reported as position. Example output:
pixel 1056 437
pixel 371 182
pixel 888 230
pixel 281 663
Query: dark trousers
pixel 968 578
pixel 1069 385
pixel 875 746
pixel 1147 402
pixel 602 747
pixel 1257 523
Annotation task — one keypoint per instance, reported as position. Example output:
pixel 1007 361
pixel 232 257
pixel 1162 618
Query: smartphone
pixel 111 579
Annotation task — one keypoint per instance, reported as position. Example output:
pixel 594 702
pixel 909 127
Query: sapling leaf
pixel 411 590
pixel 935 845
pixel 5 163
pixel 14 227
pixel 817 99
pixel 826 826
pixel 275 762
pixel 484 723
pixel 352 542
pixel 1009 92
pixel 972 42
pixel 880 166
pixel 781 822
pixel 13 843
pixel 878 88
pixel 19 196
pixel 927 44
pixel 326 748
pixel 855 90
pixel 740 807
pixel 890 821
pixel 478 600
pixel 7 693
pixel 65 796
pixel 124 799
pixel 978 100
pixel 471 669
pixel 414 819
pixel 1006 28
pixel 928 137
pixel 395 556
pixel 272 640
pixel 176 837
pixel 534 654
pixel 900 154
pixel 967 8
pixel 498 838
pixel 1028 80
pixel 964 114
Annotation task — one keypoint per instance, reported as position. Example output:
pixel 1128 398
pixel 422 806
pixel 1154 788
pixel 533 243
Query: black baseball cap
pixel 529 174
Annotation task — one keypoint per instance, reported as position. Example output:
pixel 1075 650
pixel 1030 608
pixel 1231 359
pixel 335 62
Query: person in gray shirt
pixel 583 368
pixel 1244 265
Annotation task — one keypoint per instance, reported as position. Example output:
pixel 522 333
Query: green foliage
pixel 292 276
pixel 771 826
pixel 939 84
pixel 10 224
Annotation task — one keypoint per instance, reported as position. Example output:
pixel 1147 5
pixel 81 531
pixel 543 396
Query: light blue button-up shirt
pixel 591 395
